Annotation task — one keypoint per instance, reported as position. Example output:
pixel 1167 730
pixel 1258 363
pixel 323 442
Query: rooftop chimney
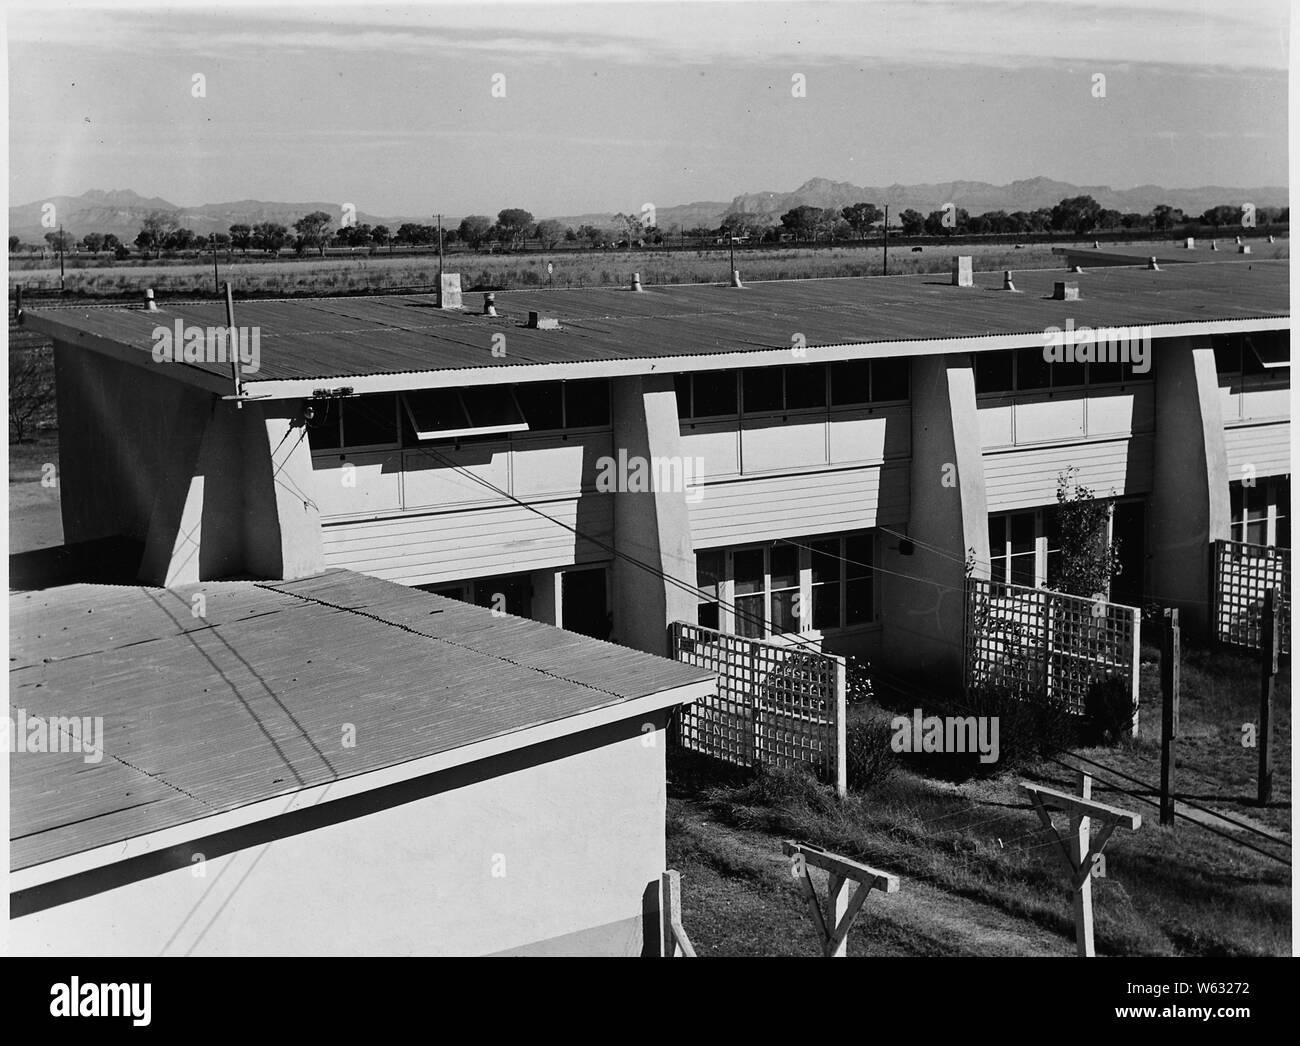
pixel 1007 285
pixel 1096 245
pixel 1190 243
pixel 962 275
pixel 1244 249
pixel 636 281
pixel 1214 245
pixel 489 304
pixel 1062 291
pixel 149 305
pixel 536 321
pixel 449 291
pixel 1151 264
pixel 1077 269
pixel 735 279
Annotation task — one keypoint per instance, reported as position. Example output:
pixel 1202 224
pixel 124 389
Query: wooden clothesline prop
pixel 834 922
pixel 1080 853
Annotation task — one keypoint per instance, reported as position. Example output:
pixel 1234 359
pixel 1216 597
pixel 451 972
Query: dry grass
pixel 984 874
pixel 373 274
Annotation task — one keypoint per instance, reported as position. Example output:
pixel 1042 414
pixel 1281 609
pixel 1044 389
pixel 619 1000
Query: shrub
pixel 869 753
pixel 1110 709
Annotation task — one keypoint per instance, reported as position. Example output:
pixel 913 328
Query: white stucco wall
pixel 573 829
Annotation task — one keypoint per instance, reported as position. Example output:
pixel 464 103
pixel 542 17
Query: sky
pixel 574 108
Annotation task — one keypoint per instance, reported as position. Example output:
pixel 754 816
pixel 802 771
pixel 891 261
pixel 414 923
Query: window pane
pixel 747 565
pixel 825 560
pixel 682 386
pixel 785 566
pixel 857 555
pixel 715 393
pixel 805 386
pixel 784 619
pixel 1227 354
pixel 1256 515
pixel 543 405
pixel 998 535
pixel 368 420
pixel 436 410
pixel 826 606
pixel 1022 570
pixel 323 429
pixel 857 602
pixel 586 403
pixel 708 570
pixel 889 380
pixel 749 617
pixel 762 389
pixel 850 382
pixel 993 371
pixel 1065 375
pixel 1105 373
pixel 489 406
pixel 707 615
pixel 1022 532
pixel 1032 371
pixel 1282 501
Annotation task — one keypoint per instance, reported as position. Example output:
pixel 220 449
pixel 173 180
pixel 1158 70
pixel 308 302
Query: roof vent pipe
pixel 636 281
pixel 1096 245
pixel 735 279
pixel 1151 264
pixel 489 304
pixel 1007 285
pixel 149 304
pixel 1077 268
pixel 1214 245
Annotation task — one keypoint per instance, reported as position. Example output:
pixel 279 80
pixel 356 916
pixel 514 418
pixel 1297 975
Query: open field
pixel 979 874
pixel 375 273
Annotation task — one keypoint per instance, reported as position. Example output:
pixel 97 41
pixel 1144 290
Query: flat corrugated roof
pixel 204 715
pixel 334 339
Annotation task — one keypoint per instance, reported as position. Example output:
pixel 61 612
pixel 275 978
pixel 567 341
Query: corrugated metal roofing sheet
pixel 205 715
pixel 333 338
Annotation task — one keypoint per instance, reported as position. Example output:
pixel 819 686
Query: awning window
pixel 448 413
pixel 1271 348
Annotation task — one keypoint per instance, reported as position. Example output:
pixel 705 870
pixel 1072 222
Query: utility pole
pixel 60 257
pixel 886 272
pixel 1268 657
pixel 440 254
pixel 216 279
pixel 1170 659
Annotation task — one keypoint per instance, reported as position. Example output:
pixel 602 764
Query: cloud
pixel 1189 33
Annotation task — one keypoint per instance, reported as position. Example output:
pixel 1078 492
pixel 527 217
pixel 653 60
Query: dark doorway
pixel 512 594
pixel 584 607
pixel 1130 531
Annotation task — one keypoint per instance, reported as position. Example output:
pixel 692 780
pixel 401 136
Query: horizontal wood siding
pixel 410 516
pixel 448 546
pixel 784 442
pixel 1024 419
pixel 1266 447
pixel 768 507
pixel 1026 477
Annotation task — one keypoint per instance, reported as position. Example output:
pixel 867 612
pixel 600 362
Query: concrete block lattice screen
pixel 777 704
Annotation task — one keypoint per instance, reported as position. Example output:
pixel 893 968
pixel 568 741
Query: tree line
pixel 514 228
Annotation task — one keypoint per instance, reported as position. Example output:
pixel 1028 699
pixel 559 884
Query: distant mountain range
pixel 121 211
